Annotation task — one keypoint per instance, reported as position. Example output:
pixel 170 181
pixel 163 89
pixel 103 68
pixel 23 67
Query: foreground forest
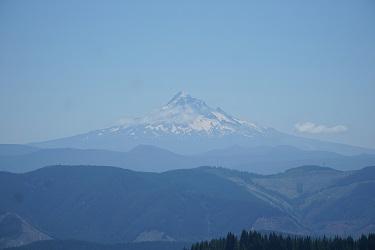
pixel 252 240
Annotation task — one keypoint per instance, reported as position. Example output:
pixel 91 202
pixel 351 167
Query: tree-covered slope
pixel 113 205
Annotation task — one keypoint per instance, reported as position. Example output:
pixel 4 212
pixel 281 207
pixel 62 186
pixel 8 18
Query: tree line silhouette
pixel 252 240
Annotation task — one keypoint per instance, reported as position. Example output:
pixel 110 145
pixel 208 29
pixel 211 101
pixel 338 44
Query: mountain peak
pixel 182 98
pixel 185 115
pixel 181 94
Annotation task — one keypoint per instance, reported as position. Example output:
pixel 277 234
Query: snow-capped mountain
pixel 188 116
pixel 188 125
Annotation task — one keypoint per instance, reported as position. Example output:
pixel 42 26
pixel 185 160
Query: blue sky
pixel 67 67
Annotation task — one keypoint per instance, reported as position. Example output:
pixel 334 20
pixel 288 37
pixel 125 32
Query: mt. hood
pixel 188 116
pixel 188 125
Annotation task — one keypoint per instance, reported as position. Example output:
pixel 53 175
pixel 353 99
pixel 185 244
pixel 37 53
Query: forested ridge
pixel 62 201
pixel 252 240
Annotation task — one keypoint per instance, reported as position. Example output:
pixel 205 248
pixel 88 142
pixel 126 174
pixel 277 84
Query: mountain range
pixel 187 125
pixel 262 159
pixel 113 205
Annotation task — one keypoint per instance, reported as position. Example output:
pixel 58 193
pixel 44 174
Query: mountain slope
pixel 188 125
pixel 15 231
pixel 110 205
pixel 113 205
pixel 328 200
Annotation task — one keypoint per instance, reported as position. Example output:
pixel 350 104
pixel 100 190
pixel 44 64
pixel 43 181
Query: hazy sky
pixel 68 67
